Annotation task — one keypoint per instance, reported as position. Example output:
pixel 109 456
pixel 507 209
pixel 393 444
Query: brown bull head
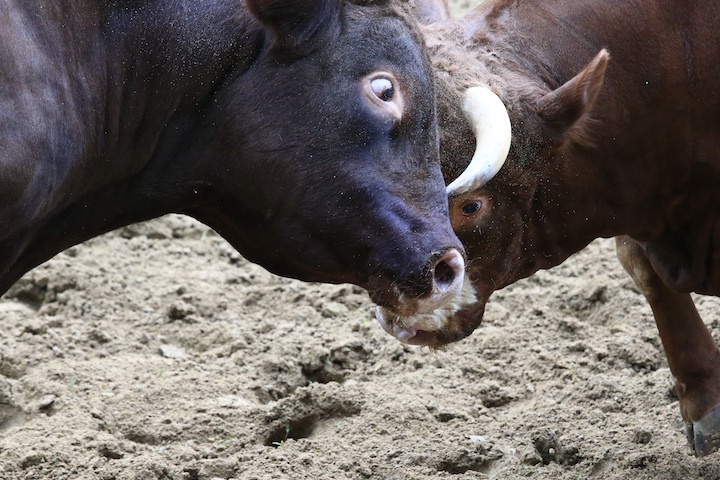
pixel 498 221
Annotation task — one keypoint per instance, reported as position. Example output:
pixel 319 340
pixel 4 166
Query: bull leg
pixel 692 355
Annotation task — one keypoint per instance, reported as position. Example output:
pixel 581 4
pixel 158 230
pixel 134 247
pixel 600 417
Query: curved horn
pixel 490 122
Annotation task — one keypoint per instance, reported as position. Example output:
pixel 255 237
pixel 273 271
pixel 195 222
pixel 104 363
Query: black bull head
pixel 303 132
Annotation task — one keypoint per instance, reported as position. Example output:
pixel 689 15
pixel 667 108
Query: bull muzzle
pixel 448 272
pixel 436 284
pixel 431 328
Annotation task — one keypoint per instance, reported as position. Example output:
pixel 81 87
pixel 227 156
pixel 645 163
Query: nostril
pixel 444 274
pixel 448 268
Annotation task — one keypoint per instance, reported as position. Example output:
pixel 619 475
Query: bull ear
pixel 296 25
pixel 431 11
pixel 566 106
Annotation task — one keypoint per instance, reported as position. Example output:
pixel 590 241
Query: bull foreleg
pixel 692 355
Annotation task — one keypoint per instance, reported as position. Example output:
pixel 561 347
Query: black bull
pixel 303 132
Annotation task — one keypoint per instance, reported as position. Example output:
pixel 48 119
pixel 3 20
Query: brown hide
pixel 623 145
pixel 430 11
pixel 591 157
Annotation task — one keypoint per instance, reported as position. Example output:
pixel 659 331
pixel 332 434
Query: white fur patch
pixel 404 328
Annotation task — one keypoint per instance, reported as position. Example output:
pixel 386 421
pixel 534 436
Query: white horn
pixel 490 122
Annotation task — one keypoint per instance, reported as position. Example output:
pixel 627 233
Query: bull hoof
pixel 704 435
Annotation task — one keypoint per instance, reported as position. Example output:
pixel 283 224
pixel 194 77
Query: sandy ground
pixel 157 352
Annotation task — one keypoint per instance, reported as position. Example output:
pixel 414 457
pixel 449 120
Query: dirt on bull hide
pixel 157 352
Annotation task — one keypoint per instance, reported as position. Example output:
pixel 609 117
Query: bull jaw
pixel 421 329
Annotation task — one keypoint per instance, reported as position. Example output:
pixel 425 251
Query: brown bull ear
pixel 295 25
pixel 566 106
pixel 431 11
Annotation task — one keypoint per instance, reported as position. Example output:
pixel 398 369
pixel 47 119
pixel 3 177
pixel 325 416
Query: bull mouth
pixel 452 322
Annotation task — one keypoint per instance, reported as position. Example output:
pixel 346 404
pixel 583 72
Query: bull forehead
pixel 390 41
pixel 326 85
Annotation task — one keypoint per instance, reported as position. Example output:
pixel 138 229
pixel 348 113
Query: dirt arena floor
pixel 156 352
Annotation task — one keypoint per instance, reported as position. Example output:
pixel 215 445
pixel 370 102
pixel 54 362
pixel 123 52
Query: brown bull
pixel 611 114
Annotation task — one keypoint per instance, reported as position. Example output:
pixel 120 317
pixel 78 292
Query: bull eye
pixel 471 207
pixel 383 89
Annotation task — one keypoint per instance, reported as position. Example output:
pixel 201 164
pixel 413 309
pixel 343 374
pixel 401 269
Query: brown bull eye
pixel 470 208
pixel 383 89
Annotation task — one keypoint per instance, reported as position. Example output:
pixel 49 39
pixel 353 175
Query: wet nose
pixel 448 273
pixel 448 269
